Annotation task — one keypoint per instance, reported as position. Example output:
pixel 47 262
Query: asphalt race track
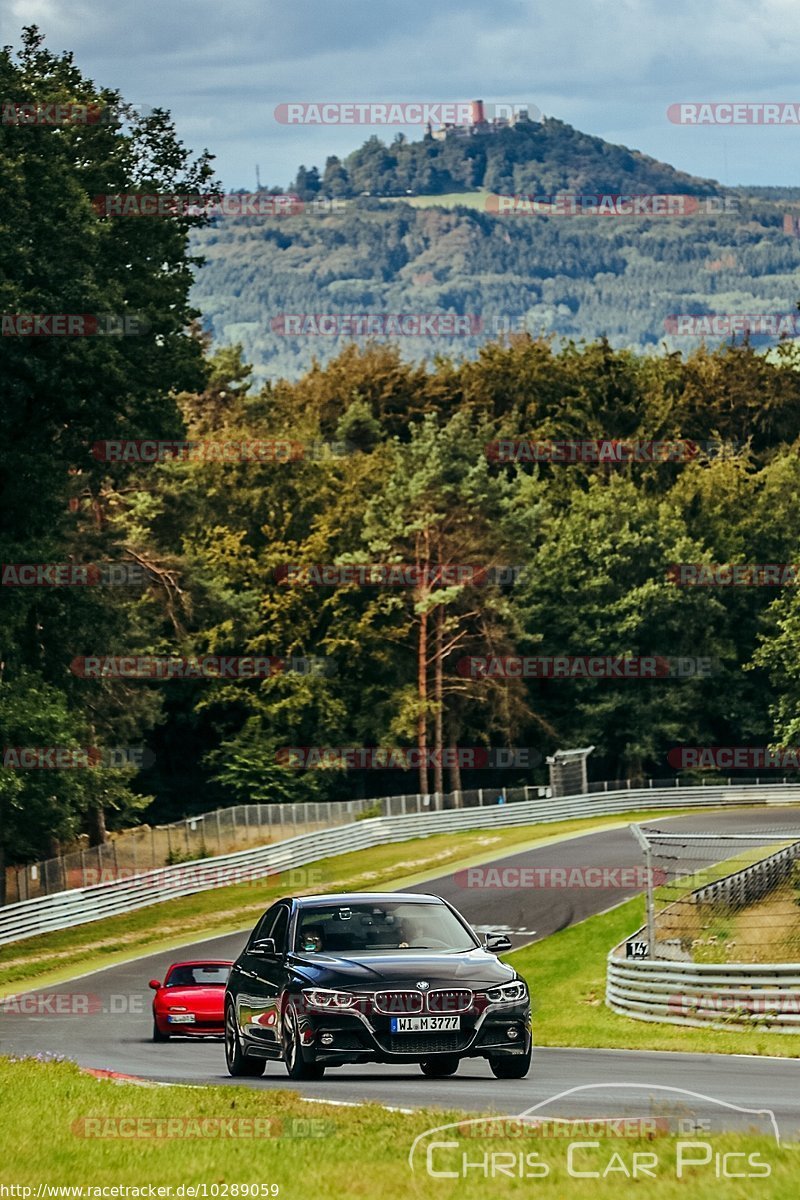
pixel 115 1034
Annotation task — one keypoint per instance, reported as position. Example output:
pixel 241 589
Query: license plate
pixel 181 1019
pixel 424 1024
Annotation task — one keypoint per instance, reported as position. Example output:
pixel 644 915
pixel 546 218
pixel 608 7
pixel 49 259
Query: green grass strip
pixel 62 1128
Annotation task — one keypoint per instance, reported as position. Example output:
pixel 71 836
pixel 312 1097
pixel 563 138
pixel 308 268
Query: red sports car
pixel 191 999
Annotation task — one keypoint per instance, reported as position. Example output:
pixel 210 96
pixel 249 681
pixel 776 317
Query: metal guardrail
pixel 716 995
pixel 750 883
pixel 227 830
pixel 82 905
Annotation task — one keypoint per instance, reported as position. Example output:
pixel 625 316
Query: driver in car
pixel 311 939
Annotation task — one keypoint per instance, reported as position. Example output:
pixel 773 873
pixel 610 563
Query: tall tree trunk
pixel 455 765
pixel 422 696
pixel 96 817
pixel 3 874
pixel 96 821
pixel 438 780
pixel 56 871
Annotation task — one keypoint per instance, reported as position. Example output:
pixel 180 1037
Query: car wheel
pixel 235 1059
pixel 510 1066
pixel 158 1036
pixel 296 1066
pixel 440 1068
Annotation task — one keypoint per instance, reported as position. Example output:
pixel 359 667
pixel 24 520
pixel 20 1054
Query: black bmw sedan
pixel 387 977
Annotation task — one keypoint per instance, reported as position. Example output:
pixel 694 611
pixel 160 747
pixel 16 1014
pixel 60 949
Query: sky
pixel 607 67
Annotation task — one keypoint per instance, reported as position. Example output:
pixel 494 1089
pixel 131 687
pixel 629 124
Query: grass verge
pixel 306 1149
pixel 567 977
pixel 51 958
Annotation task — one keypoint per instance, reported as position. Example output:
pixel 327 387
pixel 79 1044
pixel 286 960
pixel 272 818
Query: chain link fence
pixel 720 897
pixel 146 847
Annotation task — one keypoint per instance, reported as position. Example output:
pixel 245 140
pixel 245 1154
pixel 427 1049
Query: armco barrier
pixel 717 995
pixel 738 995
pixel 81 905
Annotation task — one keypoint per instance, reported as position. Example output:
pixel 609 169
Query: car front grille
pixel 398 1001
pixel 449 1000
pixel 440 1000
pixel 426 1043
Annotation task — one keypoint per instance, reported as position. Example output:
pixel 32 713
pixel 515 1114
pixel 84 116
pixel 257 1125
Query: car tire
pixel 510 1066
pixel 158 1036
pixel 236 1061
pixel 440 1068
pixel 296 1065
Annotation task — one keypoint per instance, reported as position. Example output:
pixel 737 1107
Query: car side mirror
pixel 495 942
pixel 155 984
pixel 264 948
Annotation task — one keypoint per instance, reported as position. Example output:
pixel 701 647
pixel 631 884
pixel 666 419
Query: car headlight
pixel 506 993
pixel 327 998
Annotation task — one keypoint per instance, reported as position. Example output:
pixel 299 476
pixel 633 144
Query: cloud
pixel 609 69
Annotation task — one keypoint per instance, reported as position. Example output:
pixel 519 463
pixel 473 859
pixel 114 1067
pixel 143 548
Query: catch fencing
pixel 654 975
pixel 243 826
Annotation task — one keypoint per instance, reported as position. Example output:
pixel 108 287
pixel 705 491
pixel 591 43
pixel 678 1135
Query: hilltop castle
pixel 479 124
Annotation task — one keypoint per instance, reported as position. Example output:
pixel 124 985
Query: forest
pixel 214 543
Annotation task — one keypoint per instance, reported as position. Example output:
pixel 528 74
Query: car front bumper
pixel 354 1036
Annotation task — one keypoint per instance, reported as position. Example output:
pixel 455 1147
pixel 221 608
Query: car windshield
pixel 198 975
pixel 365 928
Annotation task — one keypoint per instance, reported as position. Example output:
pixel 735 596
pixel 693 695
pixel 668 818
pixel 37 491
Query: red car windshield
pixel 198 975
